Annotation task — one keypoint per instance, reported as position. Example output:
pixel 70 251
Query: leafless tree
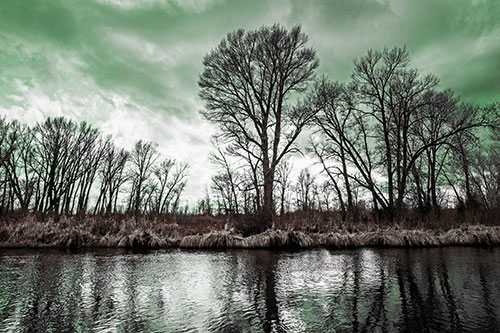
pixel 18 164
pixel 60 150
pixel 327 195
pixel 346 148
pixel 305 190
pixel 283 172
pixel 113 176
pixel 390 94
pixel 88 153
pixel 247 84
pixel 142 159
pixel 169 182
pixel 226 183
pixel 10 137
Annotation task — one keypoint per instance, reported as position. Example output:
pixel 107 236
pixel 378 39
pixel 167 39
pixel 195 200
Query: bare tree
pixel 7 139
pixel 346 141
pixel 88 152
pixel 18 164
pixel 170 180
pixel 390 93
pixel 11 134
pixel 113 176
pixel 305 189
pixel 283 172
pixel 250 182
pixel 428 170
pixel 327 195
pixel 474 170
pixel 142 158
pixel 226 181
pixel 58 159
pixel 486 178
pixel 247 84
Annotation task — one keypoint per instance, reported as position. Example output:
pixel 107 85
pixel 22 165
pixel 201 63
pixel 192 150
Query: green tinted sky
pixel 130 67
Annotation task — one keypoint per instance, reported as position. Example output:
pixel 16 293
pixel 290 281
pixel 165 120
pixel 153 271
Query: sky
pixel 130 67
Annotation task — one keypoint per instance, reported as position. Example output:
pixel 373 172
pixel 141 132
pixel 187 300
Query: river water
pixel 438 289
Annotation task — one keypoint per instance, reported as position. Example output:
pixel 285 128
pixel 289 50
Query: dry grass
pixel 99 231
pixel 468 235
pixel 299 230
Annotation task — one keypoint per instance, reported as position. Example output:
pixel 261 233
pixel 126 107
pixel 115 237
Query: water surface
pixel 439 289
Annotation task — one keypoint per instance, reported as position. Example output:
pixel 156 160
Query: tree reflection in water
pixel 448 289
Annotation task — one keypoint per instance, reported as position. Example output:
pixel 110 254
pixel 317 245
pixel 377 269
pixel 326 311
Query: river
pixel 436 289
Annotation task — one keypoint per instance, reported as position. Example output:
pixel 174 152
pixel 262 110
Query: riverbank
pixel 71 232
pixel 466 235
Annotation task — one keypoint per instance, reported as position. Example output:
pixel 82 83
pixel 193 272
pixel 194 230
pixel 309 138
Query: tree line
pixel 388 139
pixel 64 167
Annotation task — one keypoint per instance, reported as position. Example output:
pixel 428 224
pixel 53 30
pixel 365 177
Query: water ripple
pixel 449 289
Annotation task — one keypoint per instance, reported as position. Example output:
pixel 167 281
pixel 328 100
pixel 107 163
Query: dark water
pixel 448 289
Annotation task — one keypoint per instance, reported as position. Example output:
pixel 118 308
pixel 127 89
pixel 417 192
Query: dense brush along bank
pixel 129 232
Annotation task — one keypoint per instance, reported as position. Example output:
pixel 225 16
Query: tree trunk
pixel 268 207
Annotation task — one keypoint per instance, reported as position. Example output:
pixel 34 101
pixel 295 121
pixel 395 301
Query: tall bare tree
pixel 247 84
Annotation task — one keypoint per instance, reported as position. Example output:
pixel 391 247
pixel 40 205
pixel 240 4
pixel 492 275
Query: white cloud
pixel 196 6
pixel 486 42
pixel 167 53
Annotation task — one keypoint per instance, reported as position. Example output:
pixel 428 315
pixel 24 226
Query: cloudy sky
pixel 130 67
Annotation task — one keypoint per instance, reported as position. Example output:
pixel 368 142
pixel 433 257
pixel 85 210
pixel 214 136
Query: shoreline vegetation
pixel 206 232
